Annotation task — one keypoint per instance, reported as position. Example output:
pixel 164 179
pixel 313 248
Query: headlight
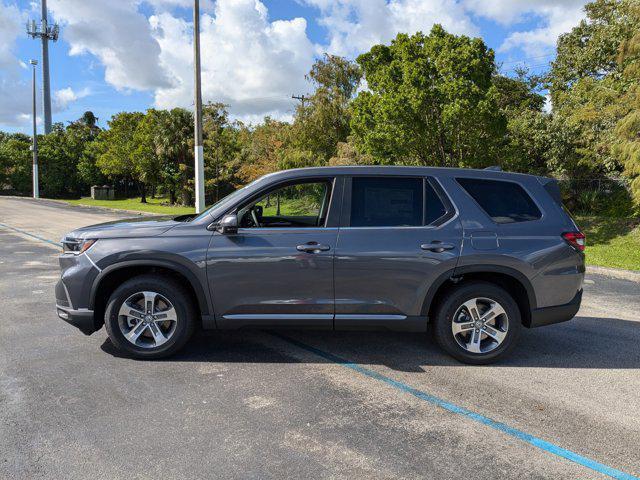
pixel 76 245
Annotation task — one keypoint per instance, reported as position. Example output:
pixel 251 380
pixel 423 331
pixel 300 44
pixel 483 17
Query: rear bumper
pixel 557 314
pixel 81 319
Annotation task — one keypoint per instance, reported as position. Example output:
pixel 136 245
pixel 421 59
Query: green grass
pixel 153 205
pixel 612 242
pixel 293 207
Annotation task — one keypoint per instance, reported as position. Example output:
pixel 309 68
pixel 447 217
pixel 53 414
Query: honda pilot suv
pixel 471 255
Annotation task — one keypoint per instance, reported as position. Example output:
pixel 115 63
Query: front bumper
pixel 81 319
pixel 557 314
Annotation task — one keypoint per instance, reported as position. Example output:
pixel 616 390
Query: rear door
pixel 398 235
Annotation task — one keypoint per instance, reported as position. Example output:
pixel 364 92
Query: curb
pixel 631 275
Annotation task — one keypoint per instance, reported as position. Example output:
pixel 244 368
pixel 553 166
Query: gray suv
pixel 471 255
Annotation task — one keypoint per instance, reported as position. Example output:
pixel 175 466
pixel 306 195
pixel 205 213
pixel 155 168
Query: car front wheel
pixel 150 317
pixel 477 323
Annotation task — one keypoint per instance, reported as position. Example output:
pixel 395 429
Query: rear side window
pixel 386 202
pixel 504 202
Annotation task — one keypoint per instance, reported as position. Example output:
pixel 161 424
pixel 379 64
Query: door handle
pixel 437 247
pixel 313 247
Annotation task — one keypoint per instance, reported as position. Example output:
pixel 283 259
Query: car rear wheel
pixel 150 317
pixel 477 323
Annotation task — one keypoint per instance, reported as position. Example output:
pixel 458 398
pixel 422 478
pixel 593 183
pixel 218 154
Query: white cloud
pixel 10 28
pixel 548 104
pixel 248 62
pixel 161 5
pixel 64 97
pixel 15 98
pixel 554 18
pixel 119 35
pixel 354 26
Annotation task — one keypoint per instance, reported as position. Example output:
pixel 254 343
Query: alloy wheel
pixel 147 319
pixel 480 325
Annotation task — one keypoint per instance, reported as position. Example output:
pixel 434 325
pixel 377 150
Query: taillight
pixel 576 239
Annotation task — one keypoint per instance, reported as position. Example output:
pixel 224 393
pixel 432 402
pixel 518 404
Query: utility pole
pixel 45 33
pixel 199 152
pixel 302 99
pixel 34 146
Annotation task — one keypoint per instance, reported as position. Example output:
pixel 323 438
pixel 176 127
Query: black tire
pixel 453 300
pixel 172 291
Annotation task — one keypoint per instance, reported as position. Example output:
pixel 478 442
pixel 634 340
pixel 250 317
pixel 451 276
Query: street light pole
pixel 34 146
pixel 198 149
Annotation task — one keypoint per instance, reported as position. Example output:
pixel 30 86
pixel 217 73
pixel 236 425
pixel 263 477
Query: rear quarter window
pixel 504 202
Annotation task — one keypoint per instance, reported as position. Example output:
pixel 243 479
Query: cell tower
pixel 45 33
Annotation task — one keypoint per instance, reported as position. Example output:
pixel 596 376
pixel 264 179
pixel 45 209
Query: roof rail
pixel 494 168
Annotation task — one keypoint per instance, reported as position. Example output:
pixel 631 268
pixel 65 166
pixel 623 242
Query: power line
pixel 302 99
pixel 540 65
pixel 523 60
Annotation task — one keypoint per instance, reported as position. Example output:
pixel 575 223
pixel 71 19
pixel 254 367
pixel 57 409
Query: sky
pixel 131 55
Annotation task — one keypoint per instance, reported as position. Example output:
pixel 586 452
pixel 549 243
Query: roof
pixel 396 170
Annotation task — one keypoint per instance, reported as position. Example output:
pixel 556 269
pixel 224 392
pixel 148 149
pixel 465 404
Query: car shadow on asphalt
pixel 584 342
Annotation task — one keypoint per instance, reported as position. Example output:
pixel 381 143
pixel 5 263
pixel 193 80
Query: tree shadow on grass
pixel 601 230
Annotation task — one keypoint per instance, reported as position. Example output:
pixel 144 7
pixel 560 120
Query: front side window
pixel 386 201
pixel 292 206
pixel 504 202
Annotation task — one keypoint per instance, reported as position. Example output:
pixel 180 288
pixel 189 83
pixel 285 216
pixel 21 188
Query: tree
pixel 323 121
pixel 261 148
pixel 520 93
pixel 586 83
pixel 115 159
pixel 175 148
pixel 347 154
pixel 147 159
pixel 527 145
pixel 15 163
pixel 591 48
pixel 58 156
pixel 221 149
pixel 89 120
pixel 431 102
pixel 627 143
pixel 80 135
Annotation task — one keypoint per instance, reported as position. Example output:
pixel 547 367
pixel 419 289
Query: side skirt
pixel 370 322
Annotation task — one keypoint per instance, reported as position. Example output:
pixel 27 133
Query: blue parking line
pixel 57 244
pixel 502 427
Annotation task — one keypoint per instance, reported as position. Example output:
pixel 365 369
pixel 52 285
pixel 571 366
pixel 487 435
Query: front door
pixel 400 235
pixel 278 268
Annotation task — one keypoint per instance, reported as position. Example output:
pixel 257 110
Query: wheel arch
pixel 109 278
pixel 513 281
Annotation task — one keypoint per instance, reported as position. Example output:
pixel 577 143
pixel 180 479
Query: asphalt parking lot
pixel 254 404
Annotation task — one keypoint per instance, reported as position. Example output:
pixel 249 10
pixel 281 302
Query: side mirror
pixel 228 224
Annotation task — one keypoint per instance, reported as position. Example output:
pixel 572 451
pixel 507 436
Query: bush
pixel 603 197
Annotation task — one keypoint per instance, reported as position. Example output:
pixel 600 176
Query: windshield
pixel 225 200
